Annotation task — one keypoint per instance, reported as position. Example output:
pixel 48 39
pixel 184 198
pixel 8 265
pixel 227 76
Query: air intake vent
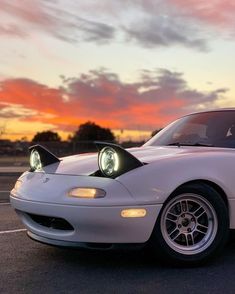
pixel 51 222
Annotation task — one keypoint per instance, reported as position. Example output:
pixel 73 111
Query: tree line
pixel 88 131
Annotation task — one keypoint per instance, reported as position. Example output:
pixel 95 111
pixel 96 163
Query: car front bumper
pixel 42 202
pixel 94 224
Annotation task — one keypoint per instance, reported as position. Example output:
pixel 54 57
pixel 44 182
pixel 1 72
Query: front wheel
pixel 192 226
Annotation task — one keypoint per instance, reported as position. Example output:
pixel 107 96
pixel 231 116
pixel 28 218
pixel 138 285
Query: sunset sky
pixel 129 65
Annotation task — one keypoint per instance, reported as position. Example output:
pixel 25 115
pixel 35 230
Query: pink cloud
pixel 12 30
pixel 29 11
pixel 102 97
pixel 214 12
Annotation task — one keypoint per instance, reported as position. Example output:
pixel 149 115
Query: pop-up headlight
pixel 114 161
pixel 35 161
pixel 40 157
pixel 108 161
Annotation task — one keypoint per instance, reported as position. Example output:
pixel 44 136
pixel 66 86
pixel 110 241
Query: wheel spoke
pixel 200 214
pixel 189 223
pixel 189 239
pixel 172 230
pixel 184 206
pixel 203 226
pixel 186 238
pixel 194 212
pixel 192 237
pixel 199 210
pixel 171 220
pixel 173 235
pixel 200 231
pixel 187 205
pixel 172 215
pixel 177 236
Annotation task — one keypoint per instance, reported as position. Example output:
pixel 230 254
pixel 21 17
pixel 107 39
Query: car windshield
pixel 209 129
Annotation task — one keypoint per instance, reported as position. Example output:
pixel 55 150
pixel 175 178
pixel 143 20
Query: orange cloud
pixel 101 97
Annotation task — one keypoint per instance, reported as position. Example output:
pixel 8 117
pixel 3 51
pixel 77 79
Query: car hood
pixel 87 164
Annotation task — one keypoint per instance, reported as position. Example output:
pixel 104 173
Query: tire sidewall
pixel 209 194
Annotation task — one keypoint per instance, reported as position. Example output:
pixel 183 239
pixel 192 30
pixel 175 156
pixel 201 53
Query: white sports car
pixel 176 192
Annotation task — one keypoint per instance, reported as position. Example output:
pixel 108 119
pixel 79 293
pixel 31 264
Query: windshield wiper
pixel 174 144
pixel 190 144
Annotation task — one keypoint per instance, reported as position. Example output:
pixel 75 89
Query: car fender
pixel 156 181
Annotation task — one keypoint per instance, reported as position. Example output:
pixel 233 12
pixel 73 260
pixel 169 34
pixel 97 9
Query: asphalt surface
pixel 30 267
pixel 7 182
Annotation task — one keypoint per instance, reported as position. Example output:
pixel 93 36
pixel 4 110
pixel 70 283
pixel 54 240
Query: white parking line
pixel 4 203
pixel 4 191
pixel 12 231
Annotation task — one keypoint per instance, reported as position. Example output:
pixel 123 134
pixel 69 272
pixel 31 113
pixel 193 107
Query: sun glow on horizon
pixel 131 68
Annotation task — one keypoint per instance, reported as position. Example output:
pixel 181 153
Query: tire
pixel 193 225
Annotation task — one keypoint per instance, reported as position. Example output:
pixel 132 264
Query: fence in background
pixel 20 149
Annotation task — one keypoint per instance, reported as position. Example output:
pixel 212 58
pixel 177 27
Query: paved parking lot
pixel 6 184
pixel 30 267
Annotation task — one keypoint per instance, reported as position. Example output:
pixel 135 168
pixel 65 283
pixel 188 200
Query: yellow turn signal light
pixel 86 193
pixel 133 212
pixel 17 185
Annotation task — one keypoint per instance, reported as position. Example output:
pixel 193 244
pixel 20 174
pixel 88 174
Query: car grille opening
pixel 51 222
pixel 101 246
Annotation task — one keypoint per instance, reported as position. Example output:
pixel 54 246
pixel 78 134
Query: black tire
pixel 215 217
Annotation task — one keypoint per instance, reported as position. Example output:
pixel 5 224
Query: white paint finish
pixel 148 187
pixel 91 224
pixel 83 164
pixel 96 220
pixel 12 231
pixel 54 188
pixel 232 212
pixel 156 181
pixel 86 164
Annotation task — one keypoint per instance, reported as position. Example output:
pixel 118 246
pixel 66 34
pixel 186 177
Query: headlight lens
pixel 35 160
pixel 108 161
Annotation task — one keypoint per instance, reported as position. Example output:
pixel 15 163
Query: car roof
pixel 213 110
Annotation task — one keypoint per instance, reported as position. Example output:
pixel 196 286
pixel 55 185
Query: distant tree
pixel 90 131
pixel 46 136
pixel 2 130
pixel 155 132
